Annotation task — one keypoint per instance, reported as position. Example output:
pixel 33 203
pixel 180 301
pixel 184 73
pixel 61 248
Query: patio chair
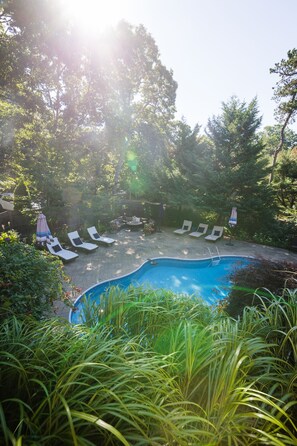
pixel 201 230
pixel 78 243
pixel 99 238
pixel 216 233
pixel 56 249
pixel 186 227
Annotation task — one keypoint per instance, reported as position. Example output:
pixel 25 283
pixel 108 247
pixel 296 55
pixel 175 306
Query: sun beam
pixel 93 15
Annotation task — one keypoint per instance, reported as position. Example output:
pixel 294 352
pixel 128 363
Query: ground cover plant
pixel 152 369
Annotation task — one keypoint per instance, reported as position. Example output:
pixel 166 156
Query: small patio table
pixel 134 226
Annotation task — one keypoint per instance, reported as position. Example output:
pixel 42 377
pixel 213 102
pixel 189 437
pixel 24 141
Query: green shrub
pixel 22 199
pixel 30 280
pixel 9 236
pixel 263 276
pixel 275 233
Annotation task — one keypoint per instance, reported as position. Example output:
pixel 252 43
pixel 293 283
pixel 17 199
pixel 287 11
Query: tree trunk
pixel 282 141
pixel 119 166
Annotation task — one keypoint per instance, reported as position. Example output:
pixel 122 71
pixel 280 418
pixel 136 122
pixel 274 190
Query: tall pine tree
pixel 234 172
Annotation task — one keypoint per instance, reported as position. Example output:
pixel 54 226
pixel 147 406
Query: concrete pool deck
pixel 133 248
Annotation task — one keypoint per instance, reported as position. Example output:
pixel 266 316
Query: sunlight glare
pixel 93 15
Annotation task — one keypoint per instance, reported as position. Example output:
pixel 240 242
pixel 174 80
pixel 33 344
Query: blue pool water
pixel 207 278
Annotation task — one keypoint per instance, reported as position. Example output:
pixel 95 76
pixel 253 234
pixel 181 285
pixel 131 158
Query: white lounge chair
pixel 216 233
pixel 99 238
pixel 78 243
pixel 185 228
pixel 201 230
pixel 56 249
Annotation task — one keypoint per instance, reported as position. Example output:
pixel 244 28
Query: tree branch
pixel 282 139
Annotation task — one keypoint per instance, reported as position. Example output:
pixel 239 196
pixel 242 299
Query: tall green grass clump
pixel 147 311
pixel 154 369
pixel 63 385
pixel 232 370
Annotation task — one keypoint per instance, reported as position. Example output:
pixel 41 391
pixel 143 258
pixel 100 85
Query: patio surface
pixel 133 248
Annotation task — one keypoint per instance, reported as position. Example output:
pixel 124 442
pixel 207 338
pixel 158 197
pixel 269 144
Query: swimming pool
pixel 206 278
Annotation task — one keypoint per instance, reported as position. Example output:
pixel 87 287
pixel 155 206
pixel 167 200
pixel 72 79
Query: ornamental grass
pixel 150 368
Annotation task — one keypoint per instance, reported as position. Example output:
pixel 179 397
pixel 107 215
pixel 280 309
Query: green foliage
pixel 285 92
pixel 276 233
pixel 184 187
pixel 102 120
pixel 30 280
pixel 75 386
pixel 191 375
pixel 134 310
pixel 234 170
pixel 81 212
pixel 84 116
pixel 285 181
pixel 271 136
pixel 9 237
pixel 259 277
pixel 22 197
pixel 10 119
pixel 281 314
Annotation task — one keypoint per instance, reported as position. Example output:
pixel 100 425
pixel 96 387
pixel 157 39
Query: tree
pixel 190 147
pixel 286 181
pixel 35 80
pixel 285 95
pixel 270 137
pixel 141 102
pixel 10 120
pixel 89 103
pixel 233 171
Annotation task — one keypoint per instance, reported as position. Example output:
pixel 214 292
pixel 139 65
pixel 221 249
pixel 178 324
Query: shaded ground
pixel 131 249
